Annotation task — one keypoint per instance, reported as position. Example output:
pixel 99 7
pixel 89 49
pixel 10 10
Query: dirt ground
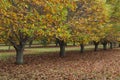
pixel 90 65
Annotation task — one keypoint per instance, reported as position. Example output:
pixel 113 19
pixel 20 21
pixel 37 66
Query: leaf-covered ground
pixel 101 65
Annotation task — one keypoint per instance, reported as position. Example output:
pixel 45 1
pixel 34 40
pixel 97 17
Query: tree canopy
pixel 81 21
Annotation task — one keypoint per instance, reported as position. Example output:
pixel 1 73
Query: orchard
pixel 62 22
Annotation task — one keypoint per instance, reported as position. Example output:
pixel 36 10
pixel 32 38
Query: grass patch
pixel 6 54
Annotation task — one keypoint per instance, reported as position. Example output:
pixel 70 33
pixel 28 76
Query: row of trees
pixel 80 21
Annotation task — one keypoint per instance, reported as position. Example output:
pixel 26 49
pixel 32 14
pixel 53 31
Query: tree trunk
pixel 111 45
pixel 66 44
pixel 96 45
pixel 62 48
pixel 73 43
pixel 30 43
pixel 19 48
pixel 105 46
pixel 19 57
pixel 81 48
pixel 19 54
pixel 56 42
pixel 9 47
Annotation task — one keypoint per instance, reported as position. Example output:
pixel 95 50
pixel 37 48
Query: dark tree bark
pixel 104 45
pixel 66 44
pixel 111 45
pixel 81 48
pixel 62 48
pixel 96 45
pixel 30 43
pixel 19 48
pixel 19 54
pixel 119 44
pixel 56 42
pixel 73 43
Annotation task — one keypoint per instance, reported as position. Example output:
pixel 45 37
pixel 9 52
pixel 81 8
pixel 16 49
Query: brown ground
pixel 101 65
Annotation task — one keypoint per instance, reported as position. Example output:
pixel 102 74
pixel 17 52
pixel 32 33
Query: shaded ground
pixel 101 65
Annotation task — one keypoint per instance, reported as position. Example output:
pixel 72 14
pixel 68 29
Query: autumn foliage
pixel 81 21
